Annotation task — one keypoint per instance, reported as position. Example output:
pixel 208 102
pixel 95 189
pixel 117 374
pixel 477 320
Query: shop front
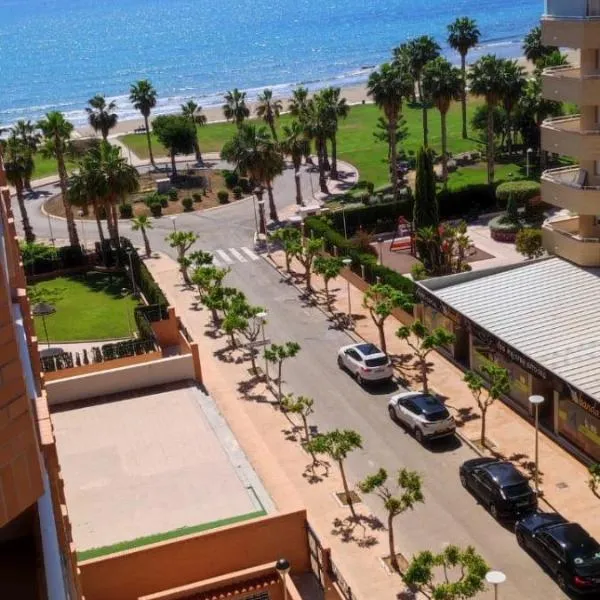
pixel 578 420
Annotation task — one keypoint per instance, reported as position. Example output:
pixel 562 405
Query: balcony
pixel 566 84
pixel 563 135
pixel 561 237
pixel 571 23
pixel 565 188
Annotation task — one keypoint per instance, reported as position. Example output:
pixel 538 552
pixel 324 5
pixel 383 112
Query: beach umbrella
pixel 43 309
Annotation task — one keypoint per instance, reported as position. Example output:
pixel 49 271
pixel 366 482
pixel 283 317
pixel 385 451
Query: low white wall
pixel 123 379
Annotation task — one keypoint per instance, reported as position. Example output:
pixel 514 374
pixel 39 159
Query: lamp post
pixel 255 217
pixel 129 255
pixel 344 220
pixel 82 225
pixel 495 578
pixel 380 249
pixel 173 219
pixel 527 161
pixel 50 228
pixel 536 401
pixel 347 262
pixel 263 319
pixel 283 568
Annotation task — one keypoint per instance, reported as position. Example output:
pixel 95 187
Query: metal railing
pixel 572 9
pixel 554 176
pixel 572 235
pixel 343 586
pixel 571 120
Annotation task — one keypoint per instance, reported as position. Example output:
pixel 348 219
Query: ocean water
pixel 56 54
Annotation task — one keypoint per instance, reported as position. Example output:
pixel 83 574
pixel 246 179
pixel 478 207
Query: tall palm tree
pixel 142 224
pixel 415 54
pixel 101 115
pixel 486 81
pixel 298 103
pixel 235 108
pixel 335 108
pixel 318 127
pixel 296 145
pixel 57 133
pixel 388 87
pixel 268 109
pixel 463 35
pixel 444 85
pixel 143 96
pixel 27 132
pixel 533 49
pixel 193 112
pixel 513 85
pixel 18 165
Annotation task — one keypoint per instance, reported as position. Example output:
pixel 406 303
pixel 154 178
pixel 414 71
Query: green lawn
pixel 476 174
pixel 88 307
pixel 356 143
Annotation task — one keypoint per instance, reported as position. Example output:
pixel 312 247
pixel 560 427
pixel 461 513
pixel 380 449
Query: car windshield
pixel 379 361
pixel 438 415
pixel 586 552
pixel 519 489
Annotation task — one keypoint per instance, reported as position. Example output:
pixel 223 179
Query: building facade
pixel 574 233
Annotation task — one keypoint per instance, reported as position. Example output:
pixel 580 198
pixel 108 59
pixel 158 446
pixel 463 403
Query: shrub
pixel 156 210
pixel 223 196
pixel 245 184
pixel 522 191
pixel 466 202
pixel 172 195
pixel 231 178
pixel 125 211
pixel 197 197
pixel 237 192
pixel 504 230
pixel 164 201
pixel 529 243
pixel 375 218
pixel 188 204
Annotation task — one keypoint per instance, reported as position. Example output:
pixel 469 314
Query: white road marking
pixel 237 255
pixel 225 256
pixel 249 253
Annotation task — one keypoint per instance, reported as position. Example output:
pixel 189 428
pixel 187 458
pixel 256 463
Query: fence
pixel 144 315
pixel 338 578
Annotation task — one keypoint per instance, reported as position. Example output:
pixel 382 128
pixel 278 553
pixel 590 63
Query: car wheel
pixel 418 435
pixel 392 413
pixel 464 482
pixel 520 539
pixel 359 380
pixel 494 511
pixel 340 363
pixel 562 583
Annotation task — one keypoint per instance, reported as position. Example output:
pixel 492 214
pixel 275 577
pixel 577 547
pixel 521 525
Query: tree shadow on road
pixel 247 388
pixel 464 414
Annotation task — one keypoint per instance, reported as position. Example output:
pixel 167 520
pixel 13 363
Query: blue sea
pixel 56 54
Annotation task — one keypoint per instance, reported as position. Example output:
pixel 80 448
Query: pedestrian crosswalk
pixel 224 257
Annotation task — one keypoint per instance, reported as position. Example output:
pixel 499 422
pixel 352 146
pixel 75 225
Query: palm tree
pixel 235 108
pixel 268 109
pixel 463 35
pixel 18 165
pixel 335 108
pixel 318 127
pixel 57 133
pixel 296 145
pixel 143 96
pixel 298 103
pixel 388 87
pixel 27 132
pixel 193 112
pixel 513 85
pixel 101 115
pixel 415 54
pixel 486 77
pixel 142 223
pixel 444 85
pixel 533 49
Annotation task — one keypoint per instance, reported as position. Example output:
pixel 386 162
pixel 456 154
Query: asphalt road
pixel 450 514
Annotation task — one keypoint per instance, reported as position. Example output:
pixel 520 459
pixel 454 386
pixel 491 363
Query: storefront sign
pixel 588 404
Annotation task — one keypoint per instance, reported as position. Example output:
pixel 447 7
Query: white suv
pixel 422 414
pixel 366 362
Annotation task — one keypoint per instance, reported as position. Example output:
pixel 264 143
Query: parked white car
pixel 422 414
pixel 366 362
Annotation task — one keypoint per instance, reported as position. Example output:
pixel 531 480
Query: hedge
pixel 39 259
pixel 521 191
pixel 375 218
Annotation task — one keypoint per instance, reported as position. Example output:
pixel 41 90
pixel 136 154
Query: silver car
pixel 366 362
pixel 423 414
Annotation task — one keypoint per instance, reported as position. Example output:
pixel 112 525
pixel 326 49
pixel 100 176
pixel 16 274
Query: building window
pixel 579 426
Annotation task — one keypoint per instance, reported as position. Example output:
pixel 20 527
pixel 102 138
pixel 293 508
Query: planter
pixel 502 231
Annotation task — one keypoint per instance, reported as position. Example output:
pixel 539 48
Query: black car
pixel 499 486
pixel 565 549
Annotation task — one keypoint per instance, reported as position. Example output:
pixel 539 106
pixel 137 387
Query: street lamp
pixel 347 262
pixel 129 255
pixel 380 248
pixel 50 228
pixel 344 220
pixel 173 219
pixel 283 568
pixel 495 578
pixel 263 319
pixel 529 152
pixel 536 401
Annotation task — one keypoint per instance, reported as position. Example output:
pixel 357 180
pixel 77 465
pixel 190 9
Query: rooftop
pixel 549 310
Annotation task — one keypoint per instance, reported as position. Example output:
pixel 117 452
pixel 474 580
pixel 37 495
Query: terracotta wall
pixel 159 567
pixel 167 330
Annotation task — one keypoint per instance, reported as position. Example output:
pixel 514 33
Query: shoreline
pixel 354 94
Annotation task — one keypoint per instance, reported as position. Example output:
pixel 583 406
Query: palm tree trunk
pixel 62 176
pixel 197 150
pixel 393 560
pixel 272 208
pixel 149 139
pixel 146 242
pixel 444 149
pixel 463 67
pixel 261 218
pixel 490 144
pixel 298 186
pixel 173 165
pixel 27 230
pixel 346 490
pixel 113 208
pixel 98 222
pixel 509 136
pixel 321 162
pixel 393 152
pixel 273 131
pixel 334 172
pixel 326 164
pixel 424 113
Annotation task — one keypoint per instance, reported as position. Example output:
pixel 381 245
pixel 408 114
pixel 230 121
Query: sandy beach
pixel 354 95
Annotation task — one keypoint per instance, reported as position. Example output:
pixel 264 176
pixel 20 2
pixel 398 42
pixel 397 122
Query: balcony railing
pixel 572 9
pixel 572 177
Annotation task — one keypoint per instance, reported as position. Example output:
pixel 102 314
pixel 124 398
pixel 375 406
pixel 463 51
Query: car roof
pixel 504 473
pixel 570 535
pixel 368 349
pixel 427 403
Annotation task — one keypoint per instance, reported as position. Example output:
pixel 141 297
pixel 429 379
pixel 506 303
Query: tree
pixel 277 354
pixel 594 480
pixel 299 103
pixel 329 267
pixel 296 145
pixel 18 165
pixel 513 84
pixel 301 406
pixel 336 108
pixel 290 240
pixel 422 341
pixel 141 224
pixel 57 133
pixel 268 109
pixel 425 207
pixel 337 444
pixel 143 97
pixel 235 108
pixel 410 484
pixel 424 566
pixel 529 243
pixel 382 134
pixel 176 134
pixel 307 253
pixel 182 241
pixel 498 385
pixel 193 112
pixel 209 280
pixel 251 327
pixel 388 87
pixel 533 49
pixel 444 85
pixel 380 300
pixel 318 127
pixel 463 35
pixel 101 115
pixel 237 311
pixel 415 54
pixel 486 77
pixel 27 133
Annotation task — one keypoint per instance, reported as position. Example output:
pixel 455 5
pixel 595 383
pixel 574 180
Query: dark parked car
pixel 499 486
pixel 565 549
